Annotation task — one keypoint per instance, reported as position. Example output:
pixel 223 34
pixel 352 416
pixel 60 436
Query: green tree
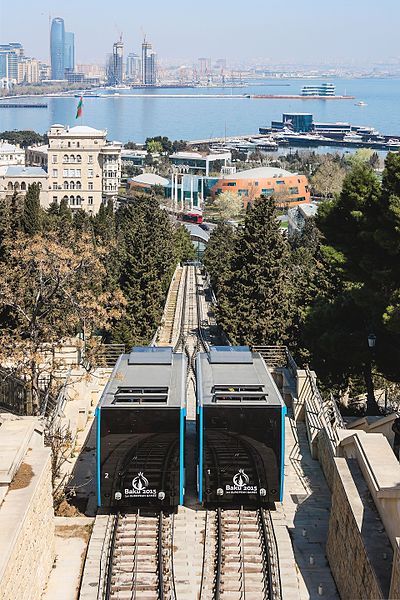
pixel 31 216
pixel 154 147
pixel 218 258
pixel 258 300
pixel 184 249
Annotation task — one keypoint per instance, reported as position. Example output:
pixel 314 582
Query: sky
pixel 251 31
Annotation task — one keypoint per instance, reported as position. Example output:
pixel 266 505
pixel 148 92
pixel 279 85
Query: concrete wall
pixel 395 582
pixel 349 560
pixel 27 527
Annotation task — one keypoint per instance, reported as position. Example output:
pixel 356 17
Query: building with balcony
pixel 200 162
pixel 18 178
pixel 83 167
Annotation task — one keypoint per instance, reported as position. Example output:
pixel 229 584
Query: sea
pixel 202 113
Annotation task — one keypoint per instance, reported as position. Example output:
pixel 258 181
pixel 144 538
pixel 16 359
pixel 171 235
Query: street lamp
pixel 371 402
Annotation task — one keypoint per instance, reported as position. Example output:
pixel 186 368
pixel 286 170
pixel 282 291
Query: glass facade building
pixel 149 65
pixel 57 48
pixel 69 51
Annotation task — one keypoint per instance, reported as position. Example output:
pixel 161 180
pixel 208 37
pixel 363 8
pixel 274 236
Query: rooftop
pixel 201 155
pixel 236 371
pixel 7 147
pixel 146 373
pixel 260 173
pixel 150 179
pixel 81 130
pixel 21 171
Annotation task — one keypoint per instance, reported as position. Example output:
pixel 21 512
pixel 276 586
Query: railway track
pixel 140 558
pixel 238 559
pixel 244 556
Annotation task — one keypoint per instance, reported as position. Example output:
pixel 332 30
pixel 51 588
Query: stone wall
pixel 395 582
pixel 325 457
pixel 27 530
pixel 347 547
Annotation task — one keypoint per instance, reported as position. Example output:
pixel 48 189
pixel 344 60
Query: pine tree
pixel 257 308
pixel 31 217
pixel 218 258
pixel 184 249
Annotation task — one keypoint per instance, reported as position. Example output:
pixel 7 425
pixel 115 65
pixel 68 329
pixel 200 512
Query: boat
pixel 393 143
pixel 361 103
pixel 352 137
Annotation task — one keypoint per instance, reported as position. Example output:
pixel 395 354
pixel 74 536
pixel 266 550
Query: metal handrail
pixel 110 558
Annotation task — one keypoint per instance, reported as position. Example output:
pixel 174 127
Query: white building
pixel 200 162
pixel 11 154
pixel 83 167
pixel 18 178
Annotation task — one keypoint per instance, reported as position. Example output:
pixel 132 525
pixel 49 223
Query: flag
pixel 79 108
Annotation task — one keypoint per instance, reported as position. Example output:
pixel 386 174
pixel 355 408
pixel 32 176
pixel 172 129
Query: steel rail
pixel 110 565
pixel 218 565
pixel 271 561
pixel 160 558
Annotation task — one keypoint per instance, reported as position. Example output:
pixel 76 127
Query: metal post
pixel 191 193
pixel 182 195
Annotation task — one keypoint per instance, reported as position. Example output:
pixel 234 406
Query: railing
pixel 107 355
pixel 277 357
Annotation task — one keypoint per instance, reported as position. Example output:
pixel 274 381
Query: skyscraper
pixel 57 48
pixel 133 67
pixel 115 66
pixel 10 55
pixel 149 64
pixel 69 51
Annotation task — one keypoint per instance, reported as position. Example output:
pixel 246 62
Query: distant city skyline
pixel 249 33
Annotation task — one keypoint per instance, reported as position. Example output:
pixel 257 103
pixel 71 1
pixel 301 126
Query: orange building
pixel 287 188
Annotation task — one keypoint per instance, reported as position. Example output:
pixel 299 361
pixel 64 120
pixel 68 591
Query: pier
pixel 20 105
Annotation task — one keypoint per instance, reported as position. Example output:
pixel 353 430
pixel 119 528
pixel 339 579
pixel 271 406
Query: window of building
pixel 267 191
pixel 65 198
pixel 301 199
pixel 78 144
pixel 40 185
pixel 71 185
pixel 10 185
pixel 90 159
pixel 72 200
pixel 69 144
pixel 72 158
pixel 77 172
pixel 78 200
pixel 256 183
pixel 90 185
pixel 65 172
pixel 90 200
pixel 243 192
pixel 66 185
pixel 293 190
pixel 54 159
pixel 65 158
pixel 78 185
pixel 79 158
pixel 55 172
pixel 280 182
pixel 90 172
pixel 23 185
pixel 231 184
pixel 54 198
pixel 55 186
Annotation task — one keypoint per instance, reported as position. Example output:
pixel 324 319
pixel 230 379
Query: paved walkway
pixel 301 522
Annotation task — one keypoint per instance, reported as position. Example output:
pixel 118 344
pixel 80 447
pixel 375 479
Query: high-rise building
pixel 69 51
pixel 204 66
pixel 28 70
pixel 10 55
pixel 149 64
pixel 133 67
pixel 57 48
pixel 115 64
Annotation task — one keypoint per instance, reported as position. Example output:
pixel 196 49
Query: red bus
pixel 191 218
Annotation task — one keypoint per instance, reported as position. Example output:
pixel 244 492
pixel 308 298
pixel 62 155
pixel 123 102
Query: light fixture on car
pixel 118 496
pixel 161 495
pixel 220 492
